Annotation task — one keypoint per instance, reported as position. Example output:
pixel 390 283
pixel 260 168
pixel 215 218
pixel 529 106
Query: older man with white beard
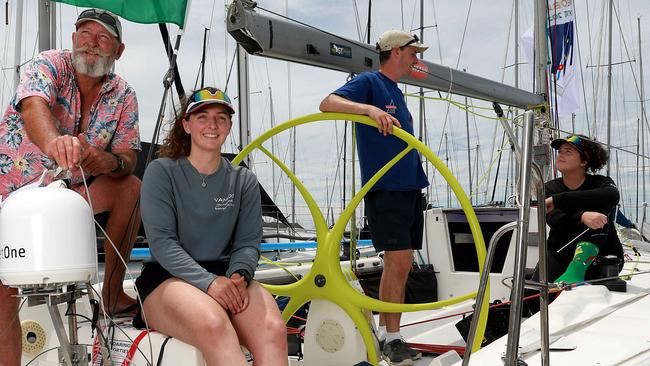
pixel 70 110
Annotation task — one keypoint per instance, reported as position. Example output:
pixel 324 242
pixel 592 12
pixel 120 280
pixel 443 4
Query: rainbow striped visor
pixel 209 95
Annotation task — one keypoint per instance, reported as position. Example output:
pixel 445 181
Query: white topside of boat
pixel 590 325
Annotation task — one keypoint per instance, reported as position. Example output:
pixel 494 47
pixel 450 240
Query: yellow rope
pixel 468 108
pixel 461 106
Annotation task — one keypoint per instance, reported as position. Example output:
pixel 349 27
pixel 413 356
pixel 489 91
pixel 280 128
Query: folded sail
pixel 140 11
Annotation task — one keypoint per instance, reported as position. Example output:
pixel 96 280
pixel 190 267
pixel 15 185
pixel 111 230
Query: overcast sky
pixel 475 38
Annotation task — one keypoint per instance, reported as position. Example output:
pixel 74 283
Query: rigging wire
pixel 627 53
pixel 356 19
pixel 462 106
pixel 596 83
pixel 444 125
pixel 462 40
pixel 435 26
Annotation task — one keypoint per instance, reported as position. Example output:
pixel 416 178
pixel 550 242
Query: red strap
pixel 134 347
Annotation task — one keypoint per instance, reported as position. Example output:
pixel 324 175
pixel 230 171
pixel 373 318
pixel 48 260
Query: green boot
pixel 585 253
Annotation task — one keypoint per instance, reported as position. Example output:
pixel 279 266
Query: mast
pixel 369 22
pixel 274 193
pixel 18 41
pixel 643 120
pixel 516 43
pixel 205 41
pixel 46 23
pixel 244 101
pixel 422 132
pixel 638 147
pixel 421 102
pixel 573 123
pixel 469 150
pixel 609 86
pixel 505 126
pixel 447 164
pixel 293 134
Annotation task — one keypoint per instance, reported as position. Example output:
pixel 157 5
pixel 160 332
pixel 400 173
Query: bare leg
pixel 10 332
pixel 397 265
pixel 182 311
pixel 261 329
pixel 119 197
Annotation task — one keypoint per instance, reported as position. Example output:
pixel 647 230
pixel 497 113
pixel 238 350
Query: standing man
pixel 394 205
pixel 71 110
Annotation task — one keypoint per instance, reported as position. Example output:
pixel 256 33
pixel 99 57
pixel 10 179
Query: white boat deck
pixel 590 325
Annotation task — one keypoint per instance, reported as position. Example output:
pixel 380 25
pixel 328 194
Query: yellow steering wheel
pixel 326 279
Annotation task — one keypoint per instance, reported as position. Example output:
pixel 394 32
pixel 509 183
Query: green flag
pixel 140 11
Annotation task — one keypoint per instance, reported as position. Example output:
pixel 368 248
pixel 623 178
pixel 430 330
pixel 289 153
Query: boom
pixel 279 38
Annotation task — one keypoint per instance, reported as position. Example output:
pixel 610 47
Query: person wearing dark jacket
pixel 580 210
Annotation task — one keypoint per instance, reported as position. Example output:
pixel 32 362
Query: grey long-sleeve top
pixel 186 223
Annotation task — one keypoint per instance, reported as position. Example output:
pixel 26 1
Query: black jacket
pixel 597 193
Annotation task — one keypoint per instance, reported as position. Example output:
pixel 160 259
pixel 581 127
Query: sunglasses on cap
pixel 105 17
pixel 206 96
pixel 414 40
pixel 576 140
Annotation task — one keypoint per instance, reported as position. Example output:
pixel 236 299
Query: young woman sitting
pixel 202 217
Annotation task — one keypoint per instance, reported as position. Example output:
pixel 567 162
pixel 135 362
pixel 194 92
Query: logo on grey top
pixel 224 203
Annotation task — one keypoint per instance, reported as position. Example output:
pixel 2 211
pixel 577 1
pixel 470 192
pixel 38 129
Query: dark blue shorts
pixel 395 219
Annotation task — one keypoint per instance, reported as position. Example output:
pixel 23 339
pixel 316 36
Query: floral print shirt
pixel 113 121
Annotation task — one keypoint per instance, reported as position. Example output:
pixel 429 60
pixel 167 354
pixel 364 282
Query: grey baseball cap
pixel 107 19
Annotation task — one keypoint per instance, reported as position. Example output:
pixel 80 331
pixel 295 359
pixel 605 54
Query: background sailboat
pixel 461 39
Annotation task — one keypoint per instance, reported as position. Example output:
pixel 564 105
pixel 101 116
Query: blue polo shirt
pixel 375 149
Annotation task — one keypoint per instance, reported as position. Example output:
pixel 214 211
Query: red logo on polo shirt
pixel 391 108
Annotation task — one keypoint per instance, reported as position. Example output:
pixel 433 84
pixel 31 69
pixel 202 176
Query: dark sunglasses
pixel 414 40
pixel 105 17
pixel 101 15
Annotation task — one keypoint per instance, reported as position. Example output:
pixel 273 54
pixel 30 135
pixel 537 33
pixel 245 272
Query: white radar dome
pixel 47 238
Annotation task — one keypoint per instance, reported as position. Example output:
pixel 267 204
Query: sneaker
pixel 397 353
pixel 415 355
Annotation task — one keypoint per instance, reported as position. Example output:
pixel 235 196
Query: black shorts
pixel 153 274
pixel 395 219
